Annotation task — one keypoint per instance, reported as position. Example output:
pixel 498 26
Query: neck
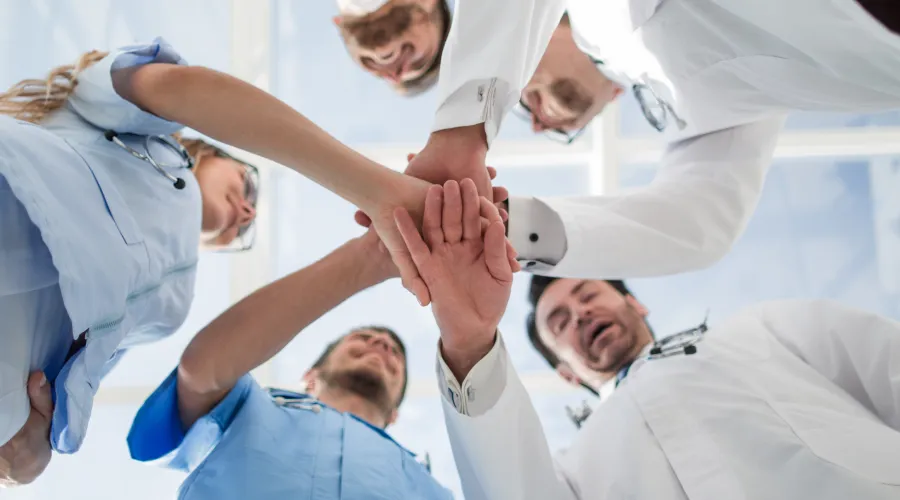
pixel 345 401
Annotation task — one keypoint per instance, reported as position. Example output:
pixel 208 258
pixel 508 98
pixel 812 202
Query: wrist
pixel 364 257
pixel 470 139
pixel 461 357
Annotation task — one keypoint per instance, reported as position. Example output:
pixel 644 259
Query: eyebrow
pixel 578 287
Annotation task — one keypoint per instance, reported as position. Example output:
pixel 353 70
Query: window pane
pixel 824 228
pixel 41 34
pixel 633 123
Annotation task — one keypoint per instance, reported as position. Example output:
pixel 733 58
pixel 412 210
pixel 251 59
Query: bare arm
pixel 237 113
pixel 259 326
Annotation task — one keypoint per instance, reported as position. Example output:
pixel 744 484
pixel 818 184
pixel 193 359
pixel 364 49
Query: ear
pixel 618 91
pixel 311 379
pixel 640 308
pixel 392 417
pixel 338 21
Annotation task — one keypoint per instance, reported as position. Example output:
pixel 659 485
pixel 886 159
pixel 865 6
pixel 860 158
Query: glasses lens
pixel 556 135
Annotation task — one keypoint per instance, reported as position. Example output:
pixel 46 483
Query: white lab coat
pixel 788 400
pixel 731 69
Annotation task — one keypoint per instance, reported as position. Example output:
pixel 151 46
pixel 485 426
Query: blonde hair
pixel 33 100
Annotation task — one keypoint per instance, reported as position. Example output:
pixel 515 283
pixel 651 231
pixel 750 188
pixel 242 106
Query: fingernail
pixel 43 380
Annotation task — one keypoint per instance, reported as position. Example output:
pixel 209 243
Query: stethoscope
pixel 684 342
pixel 164 141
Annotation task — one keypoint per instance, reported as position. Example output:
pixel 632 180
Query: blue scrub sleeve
pixel 95 99
pixel 156 434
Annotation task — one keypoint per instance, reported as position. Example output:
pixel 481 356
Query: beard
pixel 366 384
pixel 371 33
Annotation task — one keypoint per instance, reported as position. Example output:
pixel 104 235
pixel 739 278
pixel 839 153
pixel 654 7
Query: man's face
pixel 567 90
pixel 591 326
pixel 370 364
pixel 399 42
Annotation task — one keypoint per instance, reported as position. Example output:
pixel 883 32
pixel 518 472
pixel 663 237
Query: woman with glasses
pixel 102 213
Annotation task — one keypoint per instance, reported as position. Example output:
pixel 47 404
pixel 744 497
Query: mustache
pixel 371 33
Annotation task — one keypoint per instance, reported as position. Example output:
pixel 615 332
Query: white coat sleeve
pixel 858 351
pixel 497 439
pixel 492 50
pixel 698 205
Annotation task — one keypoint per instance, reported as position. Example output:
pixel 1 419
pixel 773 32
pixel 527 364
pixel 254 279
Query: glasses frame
pixel 246 234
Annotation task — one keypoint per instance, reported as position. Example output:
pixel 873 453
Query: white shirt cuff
pixel 478 101
pixel 537 232
pixel 482 387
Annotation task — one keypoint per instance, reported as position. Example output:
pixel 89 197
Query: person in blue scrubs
pixel 239 441
pixel 102 214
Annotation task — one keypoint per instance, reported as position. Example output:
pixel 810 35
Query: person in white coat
pixel 718 76
pixel 785 400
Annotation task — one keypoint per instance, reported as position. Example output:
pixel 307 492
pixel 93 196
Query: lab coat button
pixel 470 394
pixel 530 263
pixel 480 93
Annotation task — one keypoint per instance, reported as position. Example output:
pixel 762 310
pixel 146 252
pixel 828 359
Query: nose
pixel 585 315
pixel 380 343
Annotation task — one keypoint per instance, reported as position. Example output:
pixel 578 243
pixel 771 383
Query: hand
pixel 454 154
pixel 500 195
pixel 24 457
pixel 468 271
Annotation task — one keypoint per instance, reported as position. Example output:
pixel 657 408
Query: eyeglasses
pixel 655 109
pixel 246 235
pixel 556 134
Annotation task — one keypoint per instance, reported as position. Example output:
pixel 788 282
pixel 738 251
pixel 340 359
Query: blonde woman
pixel 101 215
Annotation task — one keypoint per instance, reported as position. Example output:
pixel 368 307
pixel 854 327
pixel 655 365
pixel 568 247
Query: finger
pixel 490 211
pixel 362 219
pixel 495 253
pixel 431 220
pixel 471 206
pixel 410 156
pixel 415 246
pixel 410 259
pixel 452 216
pixel 492 172
pixel 513 255
pixel 39 393
pixel 504 215
pixel 500 193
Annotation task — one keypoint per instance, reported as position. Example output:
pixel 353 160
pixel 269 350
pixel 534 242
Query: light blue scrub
pixel 92 240
pixel 262 445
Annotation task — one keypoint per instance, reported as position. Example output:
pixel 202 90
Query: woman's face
pixel 225 207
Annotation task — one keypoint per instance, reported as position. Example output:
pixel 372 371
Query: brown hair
pixel 33 100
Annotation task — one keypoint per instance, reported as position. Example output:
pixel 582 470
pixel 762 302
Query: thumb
pixel 495 253
pixel 39 392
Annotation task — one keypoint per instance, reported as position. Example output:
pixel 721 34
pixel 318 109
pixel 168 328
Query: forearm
pixel 500 460
pixel 237 113
pixel 259 326
pixel 491 53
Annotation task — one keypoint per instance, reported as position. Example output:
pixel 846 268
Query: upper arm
pixel 159 431
pixel 857 350
pixel 105 95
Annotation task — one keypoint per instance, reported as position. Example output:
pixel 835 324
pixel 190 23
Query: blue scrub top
pixel 259 445
pixel 123 240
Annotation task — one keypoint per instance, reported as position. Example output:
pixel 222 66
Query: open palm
pixel 466 265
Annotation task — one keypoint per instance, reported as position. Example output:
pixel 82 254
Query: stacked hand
pixel 410 195
pixel 24 457
pixel 466 266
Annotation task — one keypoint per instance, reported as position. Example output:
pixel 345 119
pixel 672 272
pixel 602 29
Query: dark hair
pixel 375 328
pixel 535 290
pixel 426 80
